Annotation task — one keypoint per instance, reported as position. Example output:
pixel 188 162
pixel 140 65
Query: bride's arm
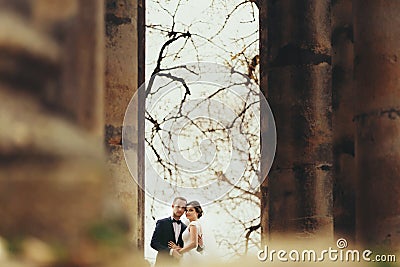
pixel 193 240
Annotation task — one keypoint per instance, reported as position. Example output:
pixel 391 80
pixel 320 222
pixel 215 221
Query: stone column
pixel 263 17
pixel 299 92
pixel 51 157
pixel 121 85
pixel 342 119
pixel 377 148
pixel 79 28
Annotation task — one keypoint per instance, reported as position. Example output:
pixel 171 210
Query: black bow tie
pixel 176 221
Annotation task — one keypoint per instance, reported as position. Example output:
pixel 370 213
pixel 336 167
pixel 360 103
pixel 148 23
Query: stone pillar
pixel 342 119
pixel 54 206
pixel 299 92
pixel 51 156
pixel 79 28
pixel 121 85
pixel 377 148
pixel 263 17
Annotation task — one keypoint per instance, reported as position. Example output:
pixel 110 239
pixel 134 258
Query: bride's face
pixel 191 213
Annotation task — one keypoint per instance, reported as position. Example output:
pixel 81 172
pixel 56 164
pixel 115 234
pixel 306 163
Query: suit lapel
pixel 171 228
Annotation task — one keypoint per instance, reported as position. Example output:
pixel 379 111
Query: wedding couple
pixel 175 242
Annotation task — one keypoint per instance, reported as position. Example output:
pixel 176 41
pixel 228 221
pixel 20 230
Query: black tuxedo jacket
pixel 163 233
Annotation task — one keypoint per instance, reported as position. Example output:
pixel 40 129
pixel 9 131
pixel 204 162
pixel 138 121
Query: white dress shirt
pixel 177 230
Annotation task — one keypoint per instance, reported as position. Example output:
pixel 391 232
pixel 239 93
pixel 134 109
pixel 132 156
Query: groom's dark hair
pixel 181 198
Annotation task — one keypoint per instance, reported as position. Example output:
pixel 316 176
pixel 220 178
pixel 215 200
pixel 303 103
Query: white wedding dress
pixel 191 257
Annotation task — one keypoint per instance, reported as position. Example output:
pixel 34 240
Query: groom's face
pixel 178 208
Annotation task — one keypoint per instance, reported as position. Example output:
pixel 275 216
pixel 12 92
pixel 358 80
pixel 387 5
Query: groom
pixel 169 229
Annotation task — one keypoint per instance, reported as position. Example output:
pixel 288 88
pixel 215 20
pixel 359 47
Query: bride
pixel 192 236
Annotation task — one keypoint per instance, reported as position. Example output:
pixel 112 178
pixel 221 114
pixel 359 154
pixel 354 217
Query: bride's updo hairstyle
pixel 196 205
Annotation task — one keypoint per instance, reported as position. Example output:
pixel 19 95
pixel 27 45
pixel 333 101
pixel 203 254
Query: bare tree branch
pixel 180 37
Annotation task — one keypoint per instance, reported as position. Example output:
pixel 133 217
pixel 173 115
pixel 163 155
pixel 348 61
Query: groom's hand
pixel 173 245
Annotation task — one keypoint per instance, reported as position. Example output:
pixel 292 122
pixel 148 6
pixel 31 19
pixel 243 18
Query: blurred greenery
pixel 107 233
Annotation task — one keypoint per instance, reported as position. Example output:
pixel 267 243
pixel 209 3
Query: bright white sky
pixel 203 19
